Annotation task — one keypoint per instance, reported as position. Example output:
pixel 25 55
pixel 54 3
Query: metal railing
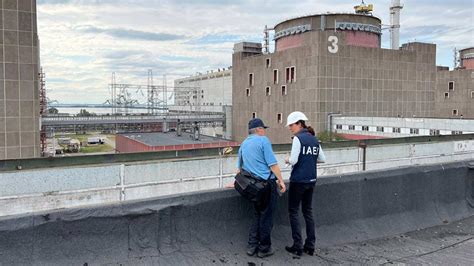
pixel 61 120
pixel 145 179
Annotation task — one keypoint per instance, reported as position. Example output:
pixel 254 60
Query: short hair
pixel 253 130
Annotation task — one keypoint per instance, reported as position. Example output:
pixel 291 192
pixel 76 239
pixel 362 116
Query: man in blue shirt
pixel 256 157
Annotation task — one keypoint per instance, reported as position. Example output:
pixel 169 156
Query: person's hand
pixel 230 185
pixel 282 186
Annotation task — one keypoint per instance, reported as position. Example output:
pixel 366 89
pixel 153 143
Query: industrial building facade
pixel 19 94
pixel 204 92
pixel 330 63
pixel 396 127
pixel 455 89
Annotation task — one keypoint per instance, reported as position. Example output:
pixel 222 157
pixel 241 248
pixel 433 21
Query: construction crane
pixel 364 9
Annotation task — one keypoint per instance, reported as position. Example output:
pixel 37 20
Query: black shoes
pixel 251 251
pixel 261 254
pixel 309 251
pixel 294 250
pixel 267 253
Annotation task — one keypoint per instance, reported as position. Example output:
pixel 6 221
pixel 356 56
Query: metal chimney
pixel 395 24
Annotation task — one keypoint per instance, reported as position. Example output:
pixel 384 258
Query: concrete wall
pixel 19 96
pixel 461 98
pixel 54 188
pixel 211 227
pixel 355 81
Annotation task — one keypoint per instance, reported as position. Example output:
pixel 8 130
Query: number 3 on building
pixel 333 48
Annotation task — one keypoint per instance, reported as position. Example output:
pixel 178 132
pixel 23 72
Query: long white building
pixel 210 92
pixel 393 127
pixel 204 92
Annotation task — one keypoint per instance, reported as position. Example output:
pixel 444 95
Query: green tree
pixel 84 112
pixel 53 111
pixel 325 136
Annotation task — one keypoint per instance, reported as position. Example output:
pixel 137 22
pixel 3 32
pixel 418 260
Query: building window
pixel 414 131
pixel 283 90
pixel 396 130
pixel 472 94
pixel 446 95
pixel 251 79
pixel 455 112
pixel 254 115
pixel 248 92
pixel 451 86
pixel 352 127
pixel 456 132
pixel 268 91
pixel 339 127
pixel 280 118
pixel 268 62
pixel 292 74
pixel 365 128
pixel 275 76
pixel 380 129
pixel 434 132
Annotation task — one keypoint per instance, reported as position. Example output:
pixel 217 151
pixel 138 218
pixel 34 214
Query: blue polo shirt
pixel 257 155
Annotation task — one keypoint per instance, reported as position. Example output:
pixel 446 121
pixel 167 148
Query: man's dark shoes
pixel 251 251
pixel 267 253
pixel 309 251
pixel 294 250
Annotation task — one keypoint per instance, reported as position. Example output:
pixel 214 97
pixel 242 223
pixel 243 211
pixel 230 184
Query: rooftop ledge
pixel 38 163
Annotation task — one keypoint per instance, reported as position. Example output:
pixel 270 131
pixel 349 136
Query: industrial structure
pixel 455 88
pixel 204 92
pixel 19 86
pixel 333 63
pixel 322 64
pixel 159 141
pixel 131 123
pixel 397 127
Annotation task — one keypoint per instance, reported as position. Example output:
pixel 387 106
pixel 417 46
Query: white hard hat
pixel 295 117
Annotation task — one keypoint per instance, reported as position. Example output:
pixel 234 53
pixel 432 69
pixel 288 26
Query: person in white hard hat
pixel 305 153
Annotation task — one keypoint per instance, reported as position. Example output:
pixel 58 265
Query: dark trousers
pixel 301 193
pixel 262 223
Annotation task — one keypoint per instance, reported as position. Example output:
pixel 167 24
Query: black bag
pixel 250 187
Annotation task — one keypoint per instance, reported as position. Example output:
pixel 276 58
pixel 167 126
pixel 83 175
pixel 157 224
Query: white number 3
pixel 333 48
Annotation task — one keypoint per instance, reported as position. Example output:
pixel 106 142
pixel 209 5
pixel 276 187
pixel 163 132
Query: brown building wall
pixel 357 81
pixel 328 22
pixel 19 97
pixel 124 144
pixel 467 58
pixel 460 97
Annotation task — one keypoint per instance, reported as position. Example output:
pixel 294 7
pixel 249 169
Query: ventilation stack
pixel 395 24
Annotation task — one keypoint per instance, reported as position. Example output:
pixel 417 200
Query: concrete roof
pixel 166 139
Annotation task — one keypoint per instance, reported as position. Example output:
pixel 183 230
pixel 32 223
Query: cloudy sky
pixel 84 41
